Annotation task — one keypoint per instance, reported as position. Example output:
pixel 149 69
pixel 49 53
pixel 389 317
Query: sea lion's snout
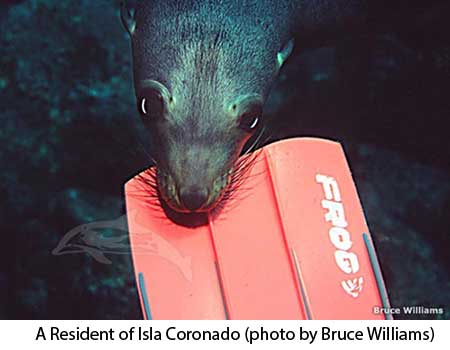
pixel 194 198
pixel 197 140
pixel 189 185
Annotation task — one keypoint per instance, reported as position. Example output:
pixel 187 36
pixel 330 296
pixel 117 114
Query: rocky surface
pixel 406 205
pixel 70 138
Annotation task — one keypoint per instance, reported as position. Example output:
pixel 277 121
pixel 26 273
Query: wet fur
pixel 212 55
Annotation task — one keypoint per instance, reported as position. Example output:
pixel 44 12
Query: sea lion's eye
pixel 151 104
pixel 143 106
pixel 249 121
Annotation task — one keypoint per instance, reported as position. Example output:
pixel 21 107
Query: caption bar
pixel 250 335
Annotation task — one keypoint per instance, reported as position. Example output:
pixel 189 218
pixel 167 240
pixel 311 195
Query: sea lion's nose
pixel 193 198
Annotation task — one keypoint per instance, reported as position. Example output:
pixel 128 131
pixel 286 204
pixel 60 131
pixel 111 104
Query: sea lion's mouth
pixel 170 193
pixel 166 193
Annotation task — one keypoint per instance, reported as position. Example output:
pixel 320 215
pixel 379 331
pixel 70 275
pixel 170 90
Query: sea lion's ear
pixel 283 55
pixel 127 17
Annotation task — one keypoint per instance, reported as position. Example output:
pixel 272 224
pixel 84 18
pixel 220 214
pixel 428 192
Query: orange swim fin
pixel 292 243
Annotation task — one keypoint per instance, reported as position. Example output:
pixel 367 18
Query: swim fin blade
pixel 291 243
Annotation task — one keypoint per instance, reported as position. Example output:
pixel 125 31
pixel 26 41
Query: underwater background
pixel 70 137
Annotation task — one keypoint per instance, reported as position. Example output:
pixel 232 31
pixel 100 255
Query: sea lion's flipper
pixel 127 17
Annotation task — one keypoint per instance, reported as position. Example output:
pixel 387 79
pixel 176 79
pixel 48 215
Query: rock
pixel 406 205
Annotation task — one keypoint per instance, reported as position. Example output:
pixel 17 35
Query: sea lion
pixel 202 73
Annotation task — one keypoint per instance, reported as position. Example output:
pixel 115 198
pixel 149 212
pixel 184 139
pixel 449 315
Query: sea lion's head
pixel 200 88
